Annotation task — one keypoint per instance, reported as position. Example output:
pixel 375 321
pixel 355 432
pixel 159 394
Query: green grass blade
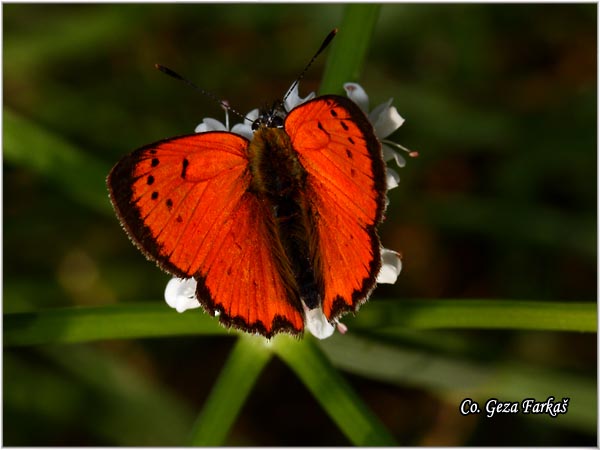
pixel 455 378
pixel 349 48
pixel 245 363
pixel 69 325
pixel 519 381
pixel 484 314
pixel 334 394
pixel 80 176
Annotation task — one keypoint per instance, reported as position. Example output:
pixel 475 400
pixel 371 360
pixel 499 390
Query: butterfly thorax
pixel 279 179
pixel 276 171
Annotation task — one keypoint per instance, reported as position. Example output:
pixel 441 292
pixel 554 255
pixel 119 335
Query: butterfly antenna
pixel 323 46
pixel 175 75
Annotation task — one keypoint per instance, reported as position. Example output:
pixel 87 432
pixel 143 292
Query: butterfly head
pixel 273 117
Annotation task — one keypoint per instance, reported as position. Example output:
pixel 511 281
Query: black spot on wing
pixel 320 126
pixel 184 167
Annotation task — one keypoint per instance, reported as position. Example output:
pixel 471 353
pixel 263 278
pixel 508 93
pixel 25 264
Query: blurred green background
pixel 500 101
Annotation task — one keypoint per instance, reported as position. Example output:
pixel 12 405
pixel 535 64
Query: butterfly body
pixel 270 228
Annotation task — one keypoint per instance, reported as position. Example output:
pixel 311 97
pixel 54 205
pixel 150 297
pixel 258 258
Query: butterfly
pixel 278 231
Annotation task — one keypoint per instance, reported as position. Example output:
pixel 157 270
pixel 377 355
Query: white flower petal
pixel 379 109
pixel 243 130
pixel 392 178
pixel 385 119
pixel 180 294
pixel 389 153
pixel 357 94
pixel 252 116
pixel 293 99
pixel 316 323
pixel 391 266
pixel 210 124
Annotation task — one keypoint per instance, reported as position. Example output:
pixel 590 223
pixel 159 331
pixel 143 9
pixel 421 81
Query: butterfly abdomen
pixel 279 179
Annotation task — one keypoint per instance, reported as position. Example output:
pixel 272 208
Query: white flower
pixel 385 120
pixel 180 294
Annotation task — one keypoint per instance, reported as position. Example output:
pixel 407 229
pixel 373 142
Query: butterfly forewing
pixel 184 203
pixel 346 189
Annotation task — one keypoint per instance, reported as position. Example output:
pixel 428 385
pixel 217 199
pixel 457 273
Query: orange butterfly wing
pixel 184 203
pixel 346 188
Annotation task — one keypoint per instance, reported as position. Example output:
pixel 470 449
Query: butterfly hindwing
pixel 346 187
pixel 185 203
